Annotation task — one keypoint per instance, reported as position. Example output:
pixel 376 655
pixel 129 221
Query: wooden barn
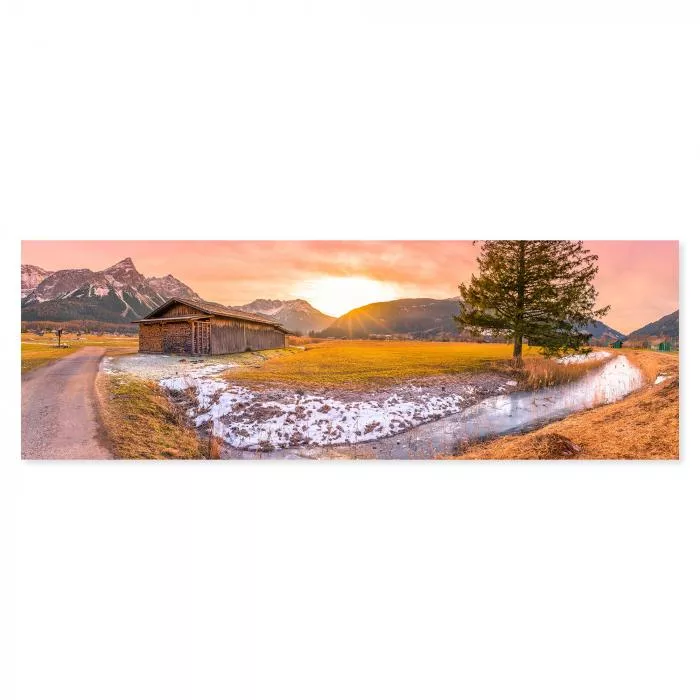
pixel 617 344
pixel 184 327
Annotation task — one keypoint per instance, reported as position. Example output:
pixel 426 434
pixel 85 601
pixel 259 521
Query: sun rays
pixel 337 295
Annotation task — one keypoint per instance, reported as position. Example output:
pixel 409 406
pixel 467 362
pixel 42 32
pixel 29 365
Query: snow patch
pixel 661 378
pixel 107 367
pixel 247 420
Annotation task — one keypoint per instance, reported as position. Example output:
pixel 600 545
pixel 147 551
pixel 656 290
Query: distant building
pixel 665 346
pixel 616 344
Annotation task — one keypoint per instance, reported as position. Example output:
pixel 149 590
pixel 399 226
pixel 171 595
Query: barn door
pixel 202 337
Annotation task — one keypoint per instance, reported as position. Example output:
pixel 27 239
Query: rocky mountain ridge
pixel 295 314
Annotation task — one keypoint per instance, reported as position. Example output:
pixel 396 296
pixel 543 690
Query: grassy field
pixel 37 350
pixel 366 362
pixel 642 426
pixel 36 354
pixel 141 423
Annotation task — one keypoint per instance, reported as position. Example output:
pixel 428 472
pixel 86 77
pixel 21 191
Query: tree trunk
pixel 518 350
pixel 520 308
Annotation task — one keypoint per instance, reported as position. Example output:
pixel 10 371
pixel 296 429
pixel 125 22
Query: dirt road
pixel 59 411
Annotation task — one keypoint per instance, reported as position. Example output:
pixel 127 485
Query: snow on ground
pixel 157 367
pixel 661 378
pixel 578 359
pixel 249 420
pixel 281 417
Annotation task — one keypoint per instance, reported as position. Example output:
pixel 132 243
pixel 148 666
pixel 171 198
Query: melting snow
pixel 248 420
pixel 661 378
pixel 578 359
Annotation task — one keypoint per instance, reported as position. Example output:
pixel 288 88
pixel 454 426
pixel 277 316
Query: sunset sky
pixel 639 279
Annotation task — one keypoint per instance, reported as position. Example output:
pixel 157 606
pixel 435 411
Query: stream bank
pixel 420 419
pixel 507 413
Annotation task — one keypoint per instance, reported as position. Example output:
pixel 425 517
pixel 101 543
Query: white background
pixel 370 120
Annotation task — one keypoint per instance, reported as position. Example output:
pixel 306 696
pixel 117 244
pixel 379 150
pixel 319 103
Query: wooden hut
pixel 184 327
pixel 616 344
pixel 665 346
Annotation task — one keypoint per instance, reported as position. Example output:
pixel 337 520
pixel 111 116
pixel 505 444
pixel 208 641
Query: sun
pixel 338 295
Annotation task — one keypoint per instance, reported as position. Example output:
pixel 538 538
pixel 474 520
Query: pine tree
pixel 539 290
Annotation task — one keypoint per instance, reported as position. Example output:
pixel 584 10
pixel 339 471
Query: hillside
pixel 421 318
pixel 601 333
pixel 665 327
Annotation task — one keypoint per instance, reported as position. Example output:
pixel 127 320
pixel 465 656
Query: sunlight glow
pixel 338 295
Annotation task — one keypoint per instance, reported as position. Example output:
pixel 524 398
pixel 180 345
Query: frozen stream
pixel 498 415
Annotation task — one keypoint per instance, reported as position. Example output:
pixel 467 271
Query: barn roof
pixel 213 309
pixel 174 319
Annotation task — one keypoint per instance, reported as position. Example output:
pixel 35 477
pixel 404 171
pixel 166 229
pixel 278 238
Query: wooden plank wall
pixel 232 335
pixel 227 336
pixel 179 310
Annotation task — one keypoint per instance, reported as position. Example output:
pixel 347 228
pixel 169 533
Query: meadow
pixel 366 364
pixel 38 350
pixel 644 424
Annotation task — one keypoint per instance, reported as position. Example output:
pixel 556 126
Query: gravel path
pixel 59 415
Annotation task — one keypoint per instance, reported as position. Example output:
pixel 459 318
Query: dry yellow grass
pixel 37 354
pixel 38 350
pixel 645 425
pixel 653 363
pixel 539 372
pixel 303 340
pixel 365 363
pixel 141 423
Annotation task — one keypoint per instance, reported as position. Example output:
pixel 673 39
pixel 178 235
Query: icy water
pixel 498 415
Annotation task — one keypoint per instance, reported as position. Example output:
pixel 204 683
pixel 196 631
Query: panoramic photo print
pixel 492 349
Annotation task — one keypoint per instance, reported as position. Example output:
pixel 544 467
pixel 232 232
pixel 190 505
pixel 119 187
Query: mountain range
pixel 296 315
pixel 120 294
pixel 422 318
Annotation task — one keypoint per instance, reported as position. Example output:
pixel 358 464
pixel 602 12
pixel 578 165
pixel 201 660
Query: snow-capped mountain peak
pixel 294 314
pixel 170 286
pixel 32 277
pixel 118 293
